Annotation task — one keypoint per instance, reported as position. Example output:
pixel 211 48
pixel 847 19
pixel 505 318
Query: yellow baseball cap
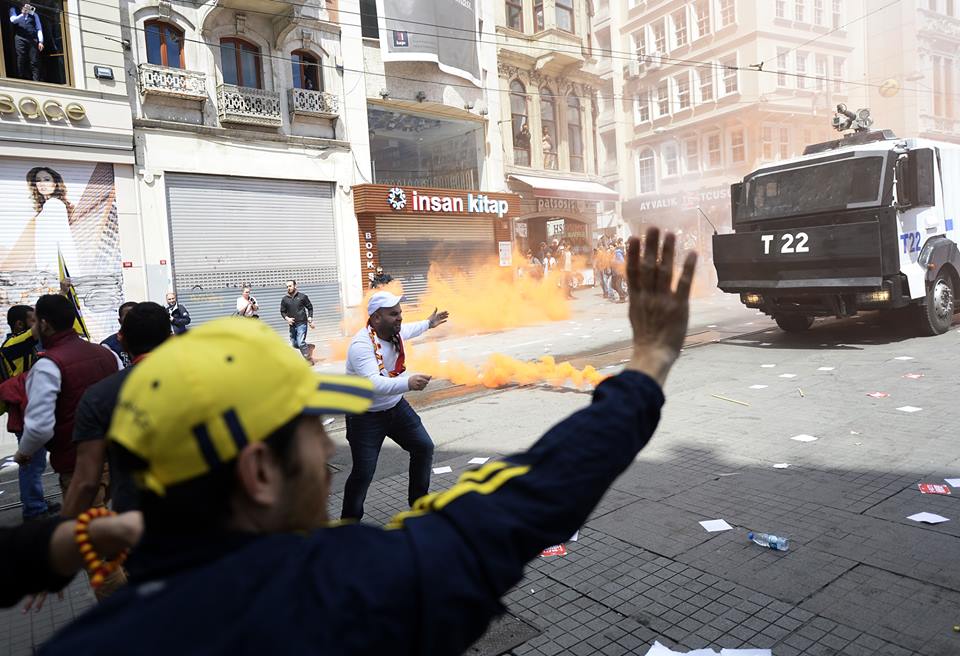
pixel 198 399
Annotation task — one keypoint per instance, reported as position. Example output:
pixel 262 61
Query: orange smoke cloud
pixel 488 298
pixel 500 370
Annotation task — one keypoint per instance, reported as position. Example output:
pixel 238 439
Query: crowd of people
pixel 210 444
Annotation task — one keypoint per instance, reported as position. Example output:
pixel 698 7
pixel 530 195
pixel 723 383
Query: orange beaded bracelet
pixel 98 568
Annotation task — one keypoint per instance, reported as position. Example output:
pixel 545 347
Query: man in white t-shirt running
pixel 376 352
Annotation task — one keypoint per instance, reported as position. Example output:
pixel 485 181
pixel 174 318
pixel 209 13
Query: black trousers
pixel 28 58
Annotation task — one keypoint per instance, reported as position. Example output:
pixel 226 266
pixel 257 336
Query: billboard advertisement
pixel 440 31
pixel 49 207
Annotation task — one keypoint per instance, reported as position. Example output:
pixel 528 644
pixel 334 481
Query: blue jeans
pixel 298 337
pixel 365 434
pixel 31 485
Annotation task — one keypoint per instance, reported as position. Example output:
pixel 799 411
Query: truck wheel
pixel 936 313
pixel 793 323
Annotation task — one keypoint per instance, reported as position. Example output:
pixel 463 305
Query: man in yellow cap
pixel 237 558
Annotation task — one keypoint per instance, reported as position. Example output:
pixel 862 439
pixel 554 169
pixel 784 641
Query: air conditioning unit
pixel 654 61
pixel 634 69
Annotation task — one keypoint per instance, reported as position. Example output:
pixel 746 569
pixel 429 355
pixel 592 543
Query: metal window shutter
pixel 408 245
pixel 227 231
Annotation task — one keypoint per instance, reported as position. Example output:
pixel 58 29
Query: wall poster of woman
pixel 51 207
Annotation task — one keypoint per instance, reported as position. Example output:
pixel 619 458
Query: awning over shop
pixel 566 188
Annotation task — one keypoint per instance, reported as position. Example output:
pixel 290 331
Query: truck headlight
pixel 752 299
pixel 873 298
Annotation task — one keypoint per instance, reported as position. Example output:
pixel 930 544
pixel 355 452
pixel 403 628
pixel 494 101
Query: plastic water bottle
pixel 769 540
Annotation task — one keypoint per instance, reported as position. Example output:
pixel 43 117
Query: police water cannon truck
pixel 865 222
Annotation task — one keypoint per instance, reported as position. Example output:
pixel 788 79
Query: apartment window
pixel 714 151
pixel 646 172
pixel 609 141
pixel 728 12
pixel 538 15
pixel 660 37
pixel 639 45
pixel 837 13
pixel 782 67
pixel 800 10
pixel 663 99
pixel 575 133
pixel 515 14
pixel 783 143
pixel 822 72
pixel 641 107
pixel 564 14
pixel 802 69
pixel 519 124
pixel 839 71
pixel 548 128
pixel 701 10
pixel 781 8
pixel 731 82
pixel 52 65
pixel 671 160
pixel 680 27
pixel 818 12
pixel 691 154
pixel 306 70
pixel 164 44
pixel 240 63
pixel 738 147
pixel 767 148
pixel 705 77
pixel 368 19
pixel 682 84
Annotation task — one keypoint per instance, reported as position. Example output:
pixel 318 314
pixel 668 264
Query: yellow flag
pixel 79 325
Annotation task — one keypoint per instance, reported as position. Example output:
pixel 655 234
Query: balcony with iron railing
pixel 307 102
pixel 156 80
pixel 248 106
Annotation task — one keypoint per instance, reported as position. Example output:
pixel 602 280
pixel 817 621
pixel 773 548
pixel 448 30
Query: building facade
pixel 435 155
pixel 249 133
pixel 66 157
pixel 715 87
pixel 549 111
pixel 914 60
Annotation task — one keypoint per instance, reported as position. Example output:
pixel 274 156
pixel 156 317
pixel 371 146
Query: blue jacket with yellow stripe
pixel 429 584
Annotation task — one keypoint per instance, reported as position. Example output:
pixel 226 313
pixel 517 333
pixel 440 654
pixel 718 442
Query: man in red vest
pixel 68 365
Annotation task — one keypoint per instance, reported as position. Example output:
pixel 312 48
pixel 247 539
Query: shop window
pixel 515 14
pixel 306 70
pixel 520 124
pixel 646 171
pixel 240 62
pixel 575 133
pixel 538 15
pixel 548 124
pixel 34 43
pixel 164 44
pixel 564 9
pixel 368 19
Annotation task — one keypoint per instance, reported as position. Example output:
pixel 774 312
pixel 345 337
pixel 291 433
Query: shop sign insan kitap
pixel 473 203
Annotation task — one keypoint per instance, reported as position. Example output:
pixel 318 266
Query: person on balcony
pixel 27 40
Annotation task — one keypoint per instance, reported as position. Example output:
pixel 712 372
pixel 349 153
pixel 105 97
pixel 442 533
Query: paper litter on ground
pixel 659 650
pixel 909 408
pixel 714 525
pixel 877 395
pixel 478 461
pixel 327 422
pixel 826 368
pixel 555 550
pixel 781 465
pixel 933 488
pixel 953 482
pixel 928 518
pixel 788 375
pixel 8 465
pixel 913 376
pixel 804 438
pixel 758 387
pixel 442 470
pixel 574 537
pixel 768 366
pixel 904 357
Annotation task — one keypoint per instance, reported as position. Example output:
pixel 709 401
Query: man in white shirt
pixel 376 353
pixel 247 305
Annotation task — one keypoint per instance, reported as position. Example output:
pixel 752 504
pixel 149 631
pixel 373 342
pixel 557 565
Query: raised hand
pixel 658 313
pixel 438 318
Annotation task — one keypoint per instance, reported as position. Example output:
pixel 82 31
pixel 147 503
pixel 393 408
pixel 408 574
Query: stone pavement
pixel 859 579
